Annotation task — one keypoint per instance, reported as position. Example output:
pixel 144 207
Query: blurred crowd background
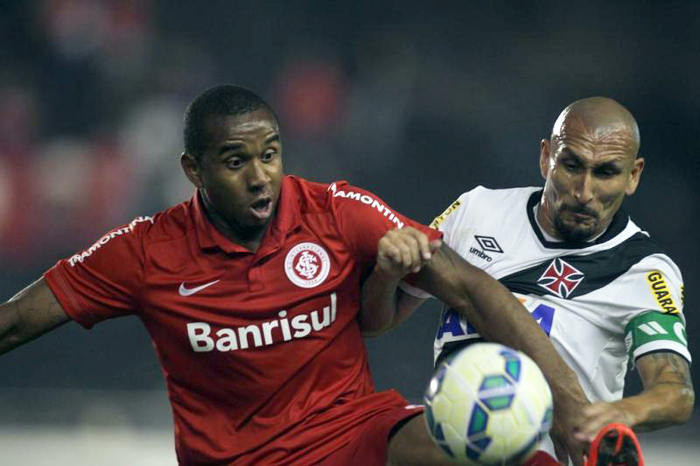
pixel 416 101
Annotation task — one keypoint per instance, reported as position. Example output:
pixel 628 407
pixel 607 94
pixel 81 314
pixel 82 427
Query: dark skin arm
pixel 488 305
pixel 384 306
pixel 667 398
pixel 28 315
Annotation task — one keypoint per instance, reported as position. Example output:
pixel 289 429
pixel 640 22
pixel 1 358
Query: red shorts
pixel 370 445
pixel 542 458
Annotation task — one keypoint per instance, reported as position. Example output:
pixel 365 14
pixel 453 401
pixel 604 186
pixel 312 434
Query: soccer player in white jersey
pixel 597 284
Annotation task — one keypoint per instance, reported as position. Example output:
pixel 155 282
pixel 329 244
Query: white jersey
pixel 601 303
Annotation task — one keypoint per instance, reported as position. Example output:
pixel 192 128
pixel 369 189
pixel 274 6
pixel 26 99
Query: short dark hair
pixel 221 100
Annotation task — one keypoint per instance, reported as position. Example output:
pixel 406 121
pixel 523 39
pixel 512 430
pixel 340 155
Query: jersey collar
pixel 286 219
pixel 617 225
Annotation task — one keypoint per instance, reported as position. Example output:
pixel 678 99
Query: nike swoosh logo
pixel 184 291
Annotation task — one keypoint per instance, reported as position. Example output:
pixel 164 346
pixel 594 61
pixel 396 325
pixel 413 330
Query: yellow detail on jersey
pixel 441 218
pixel 682 295
pixel 661 292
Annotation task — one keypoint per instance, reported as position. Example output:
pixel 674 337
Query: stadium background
pixel 416 102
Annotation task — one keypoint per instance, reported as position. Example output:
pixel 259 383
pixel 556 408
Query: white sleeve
pixel 447 222
pixel 653 320
pixel 653 284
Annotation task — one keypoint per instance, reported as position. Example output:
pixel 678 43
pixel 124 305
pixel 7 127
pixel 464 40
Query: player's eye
pixel 570 165
pixel 268 156
pixel 607 172
pixel 234 163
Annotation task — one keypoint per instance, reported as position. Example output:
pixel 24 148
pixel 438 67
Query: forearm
pixel 10 335
pixel 379 303
pixel 667 398
pixel 661 406
pixel 499 317
pixel 28 315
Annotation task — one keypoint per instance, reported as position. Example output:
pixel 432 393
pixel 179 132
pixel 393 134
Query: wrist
pixel 567 393
pixel 633 414
pixel 387 277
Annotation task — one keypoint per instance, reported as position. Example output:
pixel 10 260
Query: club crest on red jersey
pixel 307 265
pixel 560 278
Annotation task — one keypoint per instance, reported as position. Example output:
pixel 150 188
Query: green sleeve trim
pixel 656 331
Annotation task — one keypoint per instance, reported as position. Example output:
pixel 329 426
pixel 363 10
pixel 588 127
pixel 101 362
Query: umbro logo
pixel 184 291
pixel 560 278
pixel 487 243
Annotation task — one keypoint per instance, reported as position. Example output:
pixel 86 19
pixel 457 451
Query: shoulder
pixel 660 273
pixel 170 224
pixel 485 198
pixel 481 201
pixel 131 240
pixel 621 265
pixel 313 197
pixel 504 198
pixel 640 251
pixel 322 198
pixel 648 279
pixel 344 196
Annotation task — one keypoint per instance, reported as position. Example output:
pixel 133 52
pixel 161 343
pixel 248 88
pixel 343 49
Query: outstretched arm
pixel 667 398
pixel 487 304
pixel 495 312
pixel 28 315
pixel 498 316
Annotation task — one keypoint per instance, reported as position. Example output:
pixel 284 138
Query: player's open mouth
pixel 262 208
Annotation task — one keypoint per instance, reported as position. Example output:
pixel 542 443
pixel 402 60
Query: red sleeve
pixel 363 218
pixel 103 281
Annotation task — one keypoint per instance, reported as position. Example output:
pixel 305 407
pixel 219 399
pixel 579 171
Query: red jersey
pixel 261 352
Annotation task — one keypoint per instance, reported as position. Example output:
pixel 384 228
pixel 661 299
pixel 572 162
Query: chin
pixel 258 224
pixel 574 234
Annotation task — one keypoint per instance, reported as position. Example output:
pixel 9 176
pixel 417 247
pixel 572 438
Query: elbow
pixel 679 405
pixel 373 328
pixel 686 404
pixel 370 326
pixel 373 333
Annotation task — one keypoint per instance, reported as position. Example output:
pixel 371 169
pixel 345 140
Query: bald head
pixel 589 164
pixel 599 118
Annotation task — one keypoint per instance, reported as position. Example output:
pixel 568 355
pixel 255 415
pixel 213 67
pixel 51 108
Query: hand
pixel 567 445
pixel 403 251
pixel 596 416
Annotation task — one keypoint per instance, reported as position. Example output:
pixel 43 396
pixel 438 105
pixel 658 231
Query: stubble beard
pixel 575 233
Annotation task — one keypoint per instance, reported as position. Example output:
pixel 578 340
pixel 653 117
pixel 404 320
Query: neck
pixel 249 239
pixel 545 218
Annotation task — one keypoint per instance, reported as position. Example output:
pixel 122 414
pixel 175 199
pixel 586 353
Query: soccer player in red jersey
pixel 251 293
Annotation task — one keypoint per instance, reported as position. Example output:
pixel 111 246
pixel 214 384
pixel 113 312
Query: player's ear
pixel 544 157
pixel 191 167
pixel 635 176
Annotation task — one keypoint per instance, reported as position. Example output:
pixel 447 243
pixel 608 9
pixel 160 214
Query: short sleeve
pixel 444 223
pixel 447 221
pixel 103 281
pixel 653 284
pixel 655 331
pixel 363 218
pixel 654 300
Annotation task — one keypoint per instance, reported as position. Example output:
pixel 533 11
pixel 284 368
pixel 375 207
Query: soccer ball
pixel 488 405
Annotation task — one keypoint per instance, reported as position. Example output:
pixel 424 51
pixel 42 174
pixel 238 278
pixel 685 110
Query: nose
pixel 257 175
pixel 583 190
